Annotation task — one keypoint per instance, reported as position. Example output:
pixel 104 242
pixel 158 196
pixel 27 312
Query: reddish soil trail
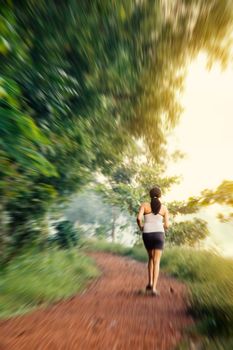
pixel 110 314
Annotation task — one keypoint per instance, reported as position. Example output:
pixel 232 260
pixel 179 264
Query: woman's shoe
pixel 148 288
pixel 155 293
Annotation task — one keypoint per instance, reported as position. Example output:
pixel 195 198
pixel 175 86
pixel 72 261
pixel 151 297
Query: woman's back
pixel 153 223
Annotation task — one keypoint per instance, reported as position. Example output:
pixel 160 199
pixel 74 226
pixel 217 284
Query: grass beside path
pixel 32 280
pixel 137 253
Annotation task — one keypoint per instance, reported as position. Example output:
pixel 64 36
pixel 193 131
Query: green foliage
pixel 128 184
pixel 222 195
pixel 209 278
pixel 80 81
pixel 19 135
pixel 189 206
pixel 100 231
pixel 66 235
pixel 188 233
pixel 221 343
pixel 35 279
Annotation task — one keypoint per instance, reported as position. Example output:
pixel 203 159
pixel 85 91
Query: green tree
pixel 222 195
pixel 91 77
pixel 189 232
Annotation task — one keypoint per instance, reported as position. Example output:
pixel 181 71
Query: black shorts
pixel 153 240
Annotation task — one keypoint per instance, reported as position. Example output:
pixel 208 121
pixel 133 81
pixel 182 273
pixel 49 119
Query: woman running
pixel 156 221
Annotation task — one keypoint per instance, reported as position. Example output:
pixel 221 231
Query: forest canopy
pixel 80 81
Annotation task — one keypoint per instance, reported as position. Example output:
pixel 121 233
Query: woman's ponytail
pixel 155 203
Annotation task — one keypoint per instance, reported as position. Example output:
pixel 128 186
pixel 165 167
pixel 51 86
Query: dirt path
pixel 110 314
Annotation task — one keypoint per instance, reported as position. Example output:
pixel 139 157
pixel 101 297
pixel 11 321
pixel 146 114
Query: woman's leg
pixel 156 255
pixel 150 266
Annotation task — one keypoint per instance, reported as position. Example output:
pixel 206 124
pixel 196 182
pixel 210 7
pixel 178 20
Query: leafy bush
pixel 66 235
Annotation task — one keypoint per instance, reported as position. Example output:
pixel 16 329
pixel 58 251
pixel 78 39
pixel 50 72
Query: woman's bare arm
pixel 166 219
pixel 140 216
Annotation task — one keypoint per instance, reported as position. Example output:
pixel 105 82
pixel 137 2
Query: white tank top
pixel 153 223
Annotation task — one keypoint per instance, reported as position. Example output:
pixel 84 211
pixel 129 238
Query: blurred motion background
pixel 99 101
